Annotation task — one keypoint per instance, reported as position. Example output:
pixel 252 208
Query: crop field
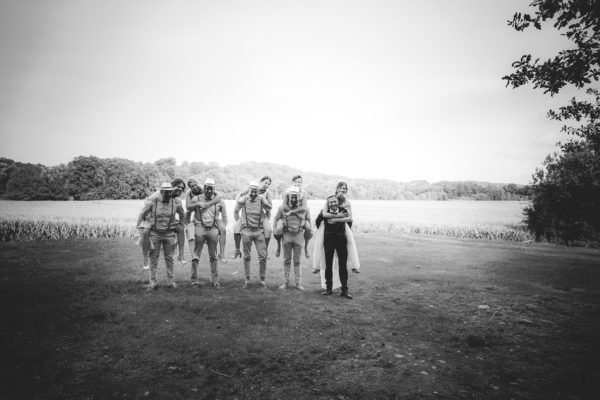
pixel 116 218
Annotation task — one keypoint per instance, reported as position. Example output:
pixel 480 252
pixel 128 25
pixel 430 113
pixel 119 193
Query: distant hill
pixel 93 178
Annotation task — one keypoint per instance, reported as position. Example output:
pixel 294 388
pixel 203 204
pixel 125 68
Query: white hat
pixel 293 190
pixel 209 182
pixel 253 184
pixel 166 186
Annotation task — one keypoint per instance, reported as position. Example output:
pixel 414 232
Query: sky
pixel 390 89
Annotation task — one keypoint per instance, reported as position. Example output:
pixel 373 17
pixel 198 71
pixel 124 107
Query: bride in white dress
pixel 319 250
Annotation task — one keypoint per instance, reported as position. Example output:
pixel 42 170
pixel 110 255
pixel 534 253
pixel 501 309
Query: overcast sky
pixel 401 90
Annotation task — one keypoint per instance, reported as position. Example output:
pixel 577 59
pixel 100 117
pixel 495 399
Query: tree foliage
pixel 93 178
pixel 566 190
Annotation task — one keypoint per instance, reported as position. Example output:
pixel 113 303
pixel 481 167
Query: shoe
pixel 181 260
pixel 284 286
pixel 299 286
pixel 262 284
pixel 195 282
pixel 328 292
pixel 217 285
pixel 237 254
pixel 316 271
pixel 346 295
pixel 355 271
pixel 278 252
pixel 152 286
pixel 146 267
pixel 173 285
pixel 195 259
pixel 246 285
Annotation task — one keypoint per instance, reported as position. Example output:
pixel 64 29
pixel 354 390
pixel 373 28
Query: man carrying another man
pixel 162 230
pixel 293 238
pixel 253 209
pixel 206 215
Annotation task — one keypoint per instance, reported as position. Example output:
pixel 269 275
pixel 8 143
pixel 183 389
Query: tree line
pixel 566 189
pixel 93 178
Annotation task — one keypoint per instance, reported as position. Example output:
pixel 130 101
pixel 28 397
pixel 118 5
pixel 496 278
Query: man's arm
pixel 197 203
pixel 215 200
pixel 241 197
pixel 339 220
pixel 145 210
pixel 328 215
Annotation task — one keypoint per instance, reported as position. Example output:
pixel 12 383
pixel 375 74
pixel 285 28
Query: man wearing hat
pixel 263 190
pixel 190 230
pixel 293 238
pixel 206 215
pixel 253 208
pixel 162 214
pixel 144 227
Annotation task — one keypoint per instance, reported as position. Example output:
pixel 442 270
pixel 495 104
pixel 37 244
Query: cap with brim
pixel 166 186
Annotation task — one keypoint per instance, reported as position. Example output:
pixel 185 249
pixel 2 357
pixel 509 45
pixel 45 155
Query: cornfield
pixel 35 229
pixel 27 221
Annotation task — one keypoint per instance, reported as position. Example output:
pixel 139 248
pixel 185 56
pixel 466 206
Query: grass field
pixel 111 218
pixel 432 318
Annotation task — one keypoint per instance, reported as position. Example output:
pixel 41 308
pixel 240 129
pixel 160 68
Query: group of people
pixel 164 222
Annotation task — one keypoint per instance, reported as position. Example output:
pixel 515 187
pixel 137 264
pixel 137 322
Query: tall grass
pixel 25 221
pixel 16 229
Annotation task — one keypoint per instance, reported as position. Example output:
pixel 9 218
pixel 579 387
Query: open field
pixel 432 318
pixel 116 218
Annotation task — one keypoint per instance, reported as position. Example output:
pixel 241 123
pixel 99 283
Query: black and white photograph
pixel 283 199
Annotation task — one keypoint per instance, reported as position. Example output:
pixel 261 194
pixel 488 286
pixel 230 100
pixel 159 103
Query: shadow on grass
pixel 430 319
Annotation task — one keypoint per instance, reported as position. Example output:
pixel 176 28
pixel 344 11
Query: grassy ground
pixel 431 318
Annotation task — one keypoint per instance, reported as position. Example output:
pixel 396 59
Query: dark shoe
pixel 316 271
pixel 346 295
pixel 328 292
pixel 355 271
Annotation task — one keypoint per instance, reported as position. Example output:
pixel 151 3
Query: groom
pixel 334 240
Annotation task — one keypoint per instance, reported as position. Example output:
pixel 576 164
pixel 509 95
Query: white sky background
pixel 401 90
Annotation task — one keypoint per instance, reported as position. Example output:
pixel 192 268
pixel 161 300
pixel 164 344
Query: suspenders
pixel 156 216
pixel 214 217
pixel 260 216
